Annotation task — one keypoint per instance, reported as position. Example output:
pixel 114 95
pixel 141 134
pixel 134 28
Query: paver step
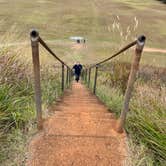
pixel 74 125
pixel 106 115
pixel 77 151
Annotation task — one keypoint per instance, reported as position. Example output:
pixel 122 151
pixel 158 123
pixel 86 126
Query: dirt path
pixel 153 50
pixel 80 133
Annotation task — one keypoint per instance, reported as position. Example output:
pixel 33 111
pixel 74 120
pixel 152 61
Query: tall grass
pixel 17 106
pixel 15 92
pixel 145 125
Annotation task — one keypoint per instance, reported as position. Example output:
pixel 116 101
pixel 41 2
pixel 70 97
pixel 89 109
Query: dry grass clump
pixel 16 92
pixel 116 75
pixel 152 73
pixel 17 106
pixel 146 119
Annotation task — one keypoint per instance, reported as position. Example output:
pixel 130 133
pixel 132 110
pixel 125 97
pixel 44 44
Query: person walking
pixel 77 71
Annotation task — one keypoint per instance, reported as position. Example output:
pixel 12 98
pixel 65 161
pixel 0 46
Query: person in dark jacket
pixel 77 71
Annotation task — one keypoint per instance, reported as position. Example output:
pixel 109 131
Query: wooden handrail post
pixel 83 74
pixel 86 74
pixel 95 81
pixel 62 77
pixel 131 80
pixel 70 75
pixel 34 35
pixel 67 76
pixel 89 75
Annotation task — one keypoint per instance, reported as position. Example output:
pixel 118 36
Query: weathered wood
pixel 89 77
pixel 70 76
pixel 83 75
pixel 34 35
pixel 95 81
pixel 131 80
pixel 67 76
pixel 63 75
pixel 86 74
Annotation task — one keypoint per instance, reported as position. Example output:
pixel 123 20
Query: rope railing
pixel 51 52
pixel 35 40
pixel 140 42
pixel 116 54
pixel 105 60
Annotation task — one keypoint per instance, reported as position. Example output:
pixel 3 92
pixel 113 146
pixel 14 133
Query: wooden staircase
pixel 79 133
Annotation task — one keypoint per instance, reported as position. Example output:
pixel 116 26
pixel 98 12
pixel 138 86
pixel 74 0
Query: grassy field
pixel 107 25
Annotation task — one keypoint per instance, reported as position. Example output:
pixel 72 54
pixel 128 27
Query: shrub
pixel 17 106
pixel 115 74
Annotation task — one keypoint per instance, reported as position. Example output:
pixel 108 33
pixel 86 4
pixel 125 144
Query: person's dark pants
pixel 77 77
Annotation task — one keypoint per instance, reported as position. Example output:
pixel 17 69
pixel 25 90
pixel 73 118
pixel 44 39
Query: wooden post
pixel 83 74
pixel 86 72
pixel 63 77
pixel 34 35
pixel 95 82
pixel 89 75
pixel 131 80
pixel 67 76
pixel 70 76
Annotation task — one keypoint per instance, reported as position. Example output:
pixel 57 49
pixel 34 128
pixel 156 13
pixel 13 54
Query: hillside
pixel 103 23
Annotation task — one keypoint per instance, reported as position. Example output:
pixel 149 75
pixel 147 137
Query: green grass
pixel 113 98
pixel 17 105
pixel 145 124
pixel 146 129
pixel 13 147
pixel 91 19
